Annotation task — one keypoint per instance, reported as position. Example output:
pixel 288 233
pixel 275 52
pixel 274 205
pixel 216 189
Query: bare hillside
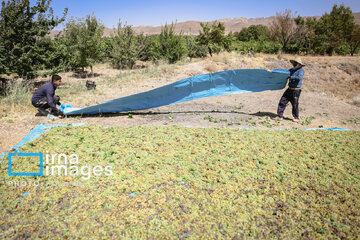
pixel 193 27
pixel 357 18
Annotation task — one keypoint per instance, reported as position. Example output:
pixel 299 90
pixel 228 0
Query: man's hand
pixel 59 113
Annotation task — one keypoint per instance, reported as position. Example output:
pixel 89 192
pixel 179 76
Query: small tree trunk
pixel 92 71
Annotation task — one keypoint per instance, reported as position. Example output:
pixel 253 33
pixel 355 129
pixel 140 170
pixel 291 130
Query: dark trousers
pixel 43 104
pixel 289 96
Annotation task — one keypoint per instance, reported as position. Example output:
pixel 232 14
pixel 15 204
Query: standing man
pixel 292 94
pixel 44 97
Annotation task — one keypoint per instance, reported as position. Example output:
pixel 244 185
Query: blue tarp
pixel 334 129
pixel 200 86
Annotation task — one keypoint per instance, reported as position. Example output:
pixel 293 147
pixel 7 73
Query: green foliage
pixel 354 41
pixel 337 26
pixel 3 63
pixel 254 32
pixel 307 121
pixel 229 42
pixel 58 57
pixel 304 36
pixel 108 47
pixel 145 43
pixel 195 50
pixel 343 49
pixel 85 41
pixel 213 37
pixel 269 47
pixel 334 31
pixel 125 48
pixel 23 30
pixel 168 46
pixel 293 48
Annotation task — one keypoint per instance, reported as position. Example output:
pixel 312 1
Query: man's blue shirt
pixel 296 77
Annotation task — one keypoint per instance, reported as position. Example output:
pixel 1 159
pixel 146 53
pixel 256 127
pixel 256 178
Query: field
pixel 177 182
pixel 189 170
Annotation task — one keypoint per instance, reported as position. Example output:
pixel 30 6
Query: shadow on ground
pixel 258 114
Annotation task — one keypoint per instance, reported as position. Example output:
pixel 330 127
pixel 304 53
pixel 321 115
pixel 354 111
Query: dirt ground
pixel 329 99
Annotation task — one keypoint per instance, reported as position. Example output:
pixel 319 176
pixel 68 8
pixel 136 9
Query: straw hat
pixel 297 60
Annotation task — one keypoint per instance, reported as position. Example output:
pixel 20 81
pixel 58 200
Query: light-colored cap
pixel 297 60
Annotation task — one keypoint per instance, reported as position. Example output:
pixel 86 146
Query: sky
pixel 160 12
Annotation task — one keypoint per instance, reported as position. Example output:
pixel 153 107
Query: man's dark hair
pixel 55 77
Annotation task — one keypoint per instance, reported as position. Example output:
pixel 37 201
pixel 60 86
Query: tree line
pixel 26 48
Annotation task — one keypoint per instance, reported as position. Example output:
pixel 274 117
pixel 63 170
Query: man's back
pixel 45 90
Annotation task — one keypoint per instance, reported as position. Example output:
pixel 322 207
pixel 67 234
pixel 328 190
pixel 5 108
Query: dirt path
pixel 254 110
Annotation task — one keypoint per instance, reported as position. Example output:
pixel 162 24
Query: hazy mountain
pixel 193 27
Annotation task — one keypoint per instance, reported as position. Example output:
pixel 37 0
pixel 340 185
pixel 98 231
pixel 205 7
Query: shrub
pixel 213 37
pixel 125 48
pixel 58 57
pixel 343 49
pixel 85 41
pixel 270 47
pixel 168 46
pixel 195 50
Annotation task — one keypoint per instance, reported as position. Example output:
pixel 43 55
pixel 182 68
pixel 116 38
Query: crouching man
pixel 44 97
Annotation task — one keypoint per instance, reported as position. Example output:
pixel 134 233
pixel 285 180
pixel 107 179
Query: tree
pixel 23 30
pixel 304 35
pixel 85 41
pixel 195 50
pixel 145 42
pixel 58 56
pixel 254 32
pixel 283 28
pixel 354 41
pixel 337 26
pixel 168 46
pixel 213 37
pixel 229 42
pixel 125 47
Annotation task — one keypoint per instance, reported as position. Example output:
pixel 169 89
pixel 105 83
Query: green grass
pixel 176 182
pixel 241 106
pixel 215 120
pixel 307 121
pixel 354 120
pixel 18 99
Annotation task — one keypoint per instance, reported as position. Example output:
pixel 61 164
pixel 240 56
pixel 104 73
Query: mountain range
pixel 193 27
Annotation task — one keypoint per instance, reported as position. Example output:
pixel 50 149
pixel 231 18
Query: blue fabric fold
pixel 200 86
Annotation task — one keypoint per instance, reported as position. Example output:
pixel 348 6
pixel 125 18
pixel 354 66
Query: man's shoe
pixel 296 120
pixel 278 118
